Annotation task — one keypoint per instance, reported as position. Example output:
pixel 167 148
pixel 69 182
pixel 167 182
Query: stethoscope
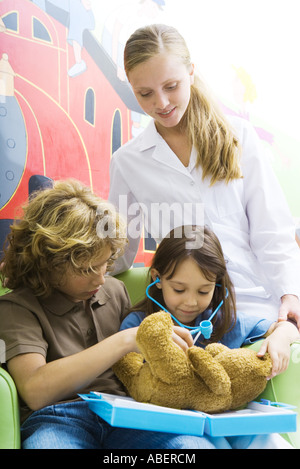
pixel 205 327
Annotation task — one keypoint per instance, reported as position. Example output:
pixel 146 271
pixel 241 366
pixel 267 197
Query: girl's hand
pixel 182 338
pixel 280 355
pixel 277 344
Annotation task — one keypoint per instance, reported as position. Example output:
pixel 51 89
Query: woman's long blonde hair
pixel 207 128
pixel 66 226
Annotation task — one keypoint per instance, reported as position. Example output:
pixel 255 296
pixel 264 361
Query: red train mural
pixel 52 125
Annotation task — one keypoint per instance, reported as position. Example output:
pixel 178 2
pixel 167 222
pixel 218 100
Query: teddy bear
pixel 211 379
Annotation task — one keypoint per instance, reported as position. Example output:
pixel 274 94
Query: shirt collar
pixel 57 303
pixel 151 138
pixel 193 159
pixel 100 297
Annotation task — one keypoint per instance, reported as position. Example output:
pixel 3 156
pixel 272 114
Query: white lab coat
pixel 249 215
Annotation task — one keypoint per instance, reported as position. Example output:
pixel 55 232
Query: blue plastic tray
pixel 257 418
pixel 126 412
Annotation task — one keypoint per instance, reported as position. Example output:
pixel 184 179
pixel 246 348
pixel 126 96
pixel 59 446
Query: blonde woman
pixel 61 321
pixel 192 165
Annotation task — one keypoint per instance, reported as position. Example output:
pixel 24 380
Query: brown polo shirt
pixel 56 327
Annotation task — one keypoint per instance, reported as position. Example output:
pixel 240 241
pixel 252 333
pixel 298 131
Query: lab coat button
pixel 192 183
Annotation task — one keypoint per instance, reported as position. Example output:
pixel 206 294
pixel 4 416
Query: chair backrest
pixel 136 281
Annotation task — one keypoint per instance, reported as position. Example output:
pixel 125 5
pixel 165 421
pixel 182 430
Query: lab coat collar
pixel 162 152
pixel 149 137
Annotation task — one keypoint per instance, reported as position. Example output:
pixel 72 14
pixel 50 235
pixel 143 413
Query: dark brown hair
pixel 203 246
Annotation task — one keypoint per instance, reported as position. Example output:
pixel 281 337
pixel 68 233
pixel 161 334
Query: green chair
pixel 3 290
pixel 9 413
pixel 9 408
pixel 282 388
pixel 136 280
pixel 285 388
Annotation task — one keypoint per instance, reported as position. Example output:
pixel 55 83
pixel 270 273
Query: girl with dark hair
pixel 190 281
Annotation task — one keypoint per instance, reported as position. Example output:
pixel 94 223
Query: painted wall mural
pixel 63 109
pixel 65 103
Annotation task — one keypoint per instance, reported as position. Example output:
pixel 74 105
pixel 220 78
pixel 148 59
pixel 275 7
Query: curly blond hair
pixel 66 226
pixel 207 128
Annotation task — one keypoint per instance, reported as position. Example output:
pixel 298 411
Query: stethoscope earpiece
pixel 205 327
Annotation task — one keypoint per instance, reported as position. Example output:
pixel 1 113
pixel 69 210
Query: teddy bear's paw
pixel 154 340
pixel 214 349
pixel 265 365
pixel 154 325
pixel 210 371
pixel 167 361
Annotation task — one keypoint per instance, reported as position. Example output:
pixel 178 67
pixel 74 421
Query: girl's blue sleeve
pixel 132 320
pixel 248 329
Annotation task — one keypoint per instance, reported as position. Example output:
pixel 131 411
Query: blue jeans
pixel 74 426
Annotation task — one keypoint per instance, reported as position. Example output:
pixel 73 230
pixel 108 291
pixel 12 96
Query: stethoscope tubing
pixel 205 327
